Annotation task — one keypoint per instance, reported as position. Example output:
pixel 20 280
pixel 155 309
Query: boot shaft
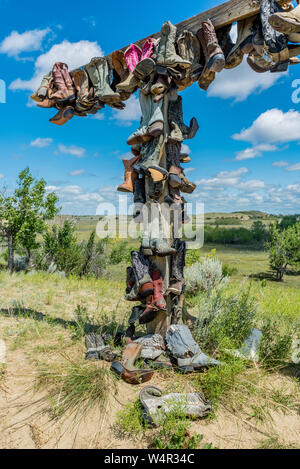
pixel 130 354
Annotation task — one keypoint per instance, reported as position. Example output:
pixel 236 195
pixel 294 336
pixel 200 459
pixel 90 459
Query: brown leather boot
pixel 125 369
pixel 214 57
pixel 64 115
pixel 64 89
pixel 130 175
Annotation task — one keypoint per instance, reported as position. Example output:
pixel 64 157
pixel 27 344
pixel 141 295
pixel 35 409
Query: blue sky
pixel 244 157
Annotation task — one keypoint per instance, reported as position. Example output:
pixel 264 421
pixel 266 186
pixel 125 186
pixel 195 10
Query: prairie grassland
pixel 51 397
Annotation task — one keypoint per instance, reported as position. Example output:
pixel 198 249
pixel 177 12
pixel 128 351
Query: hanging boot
pixel 150 158
pixel 85 94
pixel 143 285
pixel 126 370
pixel 286 22
pixel 42 91
pixel 139 196
pixel 152 122
pixel 166 55
pixel 175 114
pixel 63 84
pixel 135 313
pixel 98 72
pixel 188 47
pixel 64 115
pixel 214 57
pixel 130 175
pixel 176 178
pixel 157 300
pixel 178 262
pixel 224 39
pixel 140 65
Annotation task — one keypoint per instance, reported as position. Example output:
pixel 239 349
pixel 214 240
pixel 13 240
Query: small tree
pixel 259 231
pixel 23 215
pixel 284 248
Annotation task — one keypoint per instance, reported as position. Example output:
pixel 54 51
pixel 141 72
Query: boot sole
pixel 124 189
pixel 283 25
pixel 216 63
pixel 138 139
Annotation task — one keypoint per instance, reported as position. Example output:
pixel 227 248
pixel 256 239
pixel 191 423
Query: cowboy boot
pixel 214 57
pixel 188 47
pixel 224 39
pixel 143 286
pixel 175 114
pixel 286 22
pixel 139 196
pixel 244 45
pixel 152 122
pixel 135 313
pixel 177 179
pixel 64 89
pixel 177 266
pixel 139 64
pixel 159 242
pixel 185 158
pixel 97 350
pixel 64 115
pixel 119 65
pixel 150 159
pixel 166 54
pixel 42 91
pixel 98 72
pixel 130 175
pixel 85 94
pixel 157 300
pixel 126 370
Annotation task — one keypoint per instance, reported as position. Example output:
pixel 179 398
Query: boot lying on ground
pixel 97 350
pixel 130 175
pixel 125 369
pixel 166 54
pixel 156 406
pixel 152 122
pixel 286 22
pixel 183 347
pixel 64 115
pixel 143 285
pixel 152 346
pixel 63 85
pixel 160 363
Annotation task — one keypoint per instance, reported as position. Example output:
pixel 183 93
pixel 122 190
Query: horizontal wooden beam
pixel 221 15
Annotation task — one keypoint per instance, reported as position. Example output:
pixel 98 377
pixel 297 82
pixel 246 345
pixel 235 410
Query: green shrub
pixel 228 271
pixel 192 256
pixel 130 419
pixel 120 253
pixel 275 345
pixel 205 275
pixel 224 322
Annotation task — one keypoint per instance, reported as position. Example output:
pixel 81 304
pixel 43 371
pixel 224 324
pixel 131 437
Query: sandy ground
pixel 22 425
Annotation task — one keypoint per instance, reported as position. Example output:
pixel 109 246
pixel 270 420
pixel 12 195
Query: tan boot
pixel 130 175
pixel 64 115
pixel 125 369
pixel 286 22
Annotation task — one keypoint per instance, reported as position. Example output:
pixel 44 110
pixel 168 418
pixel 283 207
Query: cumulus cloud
pixel 223 179
pixel 272 126
pixel 185 149
pixel 280 164
pixel 1 176
pixel 130 114
pixel 28 41
pixel 77 172
pixel 294 167
pixel 254 152
pixel 241 82
pixel 41 142
pixel 74 54
pixel 79 152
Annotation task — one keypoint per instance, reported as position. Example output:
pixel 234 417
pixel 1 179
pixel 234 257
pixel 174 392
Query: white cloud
pixel 294 167
pixel 223 179
pixel 241 82
pixel 131 113
pixel 280 164
pixel 252 184
pixel 41 142
pixel 1 176
pixel 74 54
pixel 272 126
pixel 70 189
pixel 89 197
pixel 72 150
pixel 185 149
pixel 254 152
pixel 77 172
pixel 99 116
pixel 28 41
